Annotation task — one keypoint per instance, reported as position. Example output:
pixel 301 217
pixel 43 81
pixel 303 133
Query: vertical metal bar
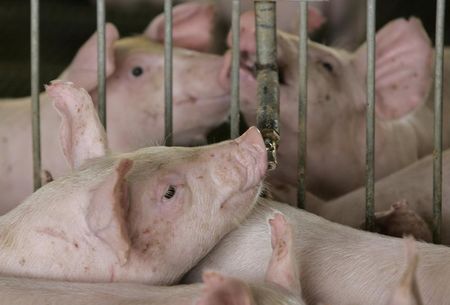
pixel 168 78
pixel 302 106
pixel 267 114
pixel 101 62
pixel 370 117
pixel 36 130
pixel 235 65
pixel 437 153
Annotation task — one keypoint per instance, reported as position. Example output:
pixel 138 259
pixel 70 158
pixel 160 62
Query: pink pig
pixel 337 107
pixel 135 100
pixel 127 217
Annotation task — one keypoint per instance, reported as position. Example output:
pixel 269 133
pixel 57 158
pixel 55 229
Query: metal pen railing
pixel 35 103
pixel 438 97
pixel 370 117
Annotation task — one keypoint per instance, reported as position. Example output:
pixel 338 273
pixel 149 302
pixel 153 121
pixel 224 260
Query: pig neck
pixel 326 252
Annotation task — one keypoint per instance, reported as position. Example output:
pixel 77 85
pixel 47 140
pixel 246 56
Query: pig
pixel 126 217
pixel 401 220
pixel 338 264
pixel 279 287
pixel 413 183
pixel 337 107
pixel 135 76
pixel 407 292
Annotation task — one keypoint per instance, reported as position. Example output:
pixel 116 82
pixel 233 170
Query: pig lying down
pixel 127 217
pixel 135 107
pixel 337 264
pixel 216 290
pixel 336 107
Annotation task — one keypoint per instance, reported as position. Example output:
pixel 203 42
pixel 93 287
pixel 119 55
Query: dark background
pixel 66 24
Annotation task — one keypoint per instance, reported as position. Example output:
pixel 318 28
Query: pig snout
pixel 253 156
pixel 240 164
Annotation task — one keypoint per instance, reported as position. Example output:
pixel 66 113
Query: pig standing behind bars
pixel 338 265
pixel 337 107
pixel 135 103
pixel 280 287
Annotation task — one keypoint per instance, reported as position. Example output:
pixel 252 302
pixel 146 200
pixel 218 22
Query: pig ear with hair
pixel 401 220
pixel 283 269
pixel 82 136
pixel 193 25
pixel 106 213
pixel 221 290
pixel 403 68
pixel 407 291
pixel 83 68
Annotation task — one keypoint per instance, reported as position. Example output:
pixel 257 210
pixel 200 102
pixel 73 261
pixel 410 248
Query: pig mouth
pixel 247 71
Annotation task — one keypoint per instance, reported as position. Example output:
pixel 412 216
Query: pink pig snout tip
pixel 253 138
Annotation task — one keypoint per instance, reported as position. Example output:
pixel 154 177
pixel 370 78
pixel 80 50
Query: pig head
pixel 336 108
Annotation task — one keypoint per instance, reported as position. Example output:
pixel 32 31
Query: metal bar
pixel 235 65
pixel 267 114
pixel 168 78
pixel 437 153
pixel 101 61
pixel 302 105
pixel 36 130
pixel 370 116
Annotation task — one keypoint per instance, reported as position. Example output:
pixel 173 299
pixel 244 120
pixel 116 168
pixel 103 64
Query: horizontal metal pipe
pixel 267 116
pixel 235 65
pixel 36 130
pixel 168 77
pixel 302 105
pixel 101 61
pixel 370 117
pixel 437 154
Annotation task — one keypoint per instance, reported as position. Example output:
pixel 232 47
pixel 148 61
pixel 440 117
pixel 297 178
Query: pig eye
pixel 170 192
pixel 137 71
pixel 327 66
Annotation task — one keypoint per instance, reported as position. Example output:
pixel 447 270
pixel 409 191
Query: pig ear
pixel 220 290
pixel 192 26
pixel 315 19
pixel 82 136
pixel 106 213
pixel 83 68
pixel 283 269
pixel 403 68
pixel 401 220
pixel 407 291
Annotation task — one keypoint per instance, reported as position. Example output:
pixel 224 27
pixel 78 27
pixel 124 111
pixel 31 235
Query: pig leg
pixel 82 136
pixel 407 291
